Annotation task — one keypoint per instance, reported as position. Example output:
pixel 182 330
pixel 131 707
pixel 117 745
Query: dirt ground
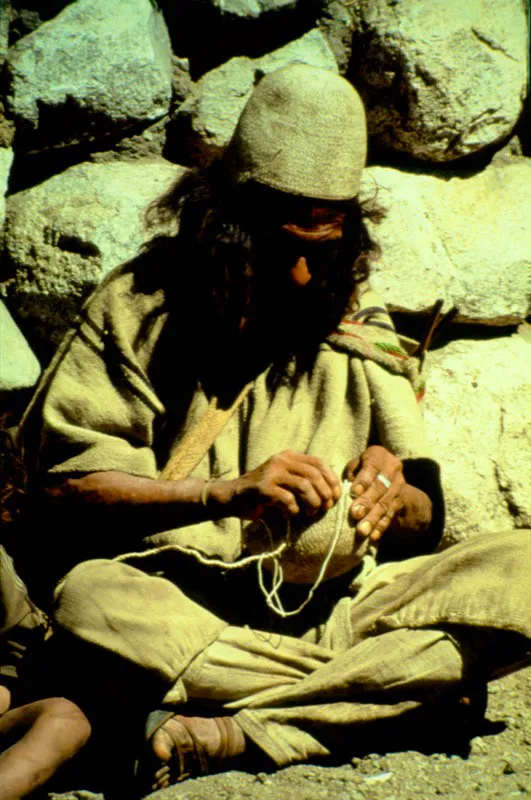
pixel 497 765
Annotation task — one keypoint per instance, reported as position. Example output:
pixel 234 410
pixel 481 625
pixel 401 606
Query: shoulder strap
pixel 189 451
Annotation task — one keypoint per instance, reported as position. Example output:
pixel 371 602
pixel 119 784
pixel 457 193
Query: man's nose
pixel 300 274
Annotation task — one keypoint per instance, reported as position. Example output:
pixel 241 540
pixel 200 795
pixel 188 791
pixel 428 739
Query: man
pixel 238 372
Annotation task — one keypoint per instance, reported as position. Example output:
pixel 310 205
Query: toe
pixel 162 744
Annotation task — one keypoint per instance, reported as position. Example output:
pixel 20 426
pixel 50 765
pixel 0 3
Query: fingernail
pixel 358 510
pixel 359 488
pixel 364 528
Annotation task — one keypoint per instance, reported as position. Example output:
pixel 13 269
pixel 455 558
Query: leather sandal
pixel 187 760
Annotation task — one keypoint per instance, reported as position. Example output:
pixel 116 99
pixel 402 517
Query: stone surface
pixel 6 159
pixel 19 368
pixel 442 78
pixel 252 9
pixel 337 24
pixel 5 17
pixel 218 98
pixel 477 413
pixel 96 66
pixel 64 235
pixel 466 239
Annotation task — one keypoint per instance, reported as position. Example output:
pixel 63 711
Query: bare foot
pixel 204 741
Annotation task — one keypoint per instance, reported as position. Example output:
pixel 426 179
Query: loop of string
pixel 271 595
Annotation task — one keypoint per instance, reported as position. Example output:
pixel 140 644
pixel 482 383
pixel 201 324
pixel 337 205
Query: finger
pixel 305 493
pixel 351 469
pixel 375 492
pixel 380 516
pixel 285 501
pixel 376 461
pixel 318 481
pixel 302 461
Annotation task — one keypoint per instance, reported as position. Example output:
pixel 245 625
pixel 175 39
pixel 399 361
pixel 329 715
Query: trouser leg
pixel 144 620
pixel 415 628
pixel 400 639
pixel 288 692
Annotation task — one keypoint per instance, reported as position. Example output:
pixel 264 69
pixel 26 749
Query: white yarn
pixel 271 595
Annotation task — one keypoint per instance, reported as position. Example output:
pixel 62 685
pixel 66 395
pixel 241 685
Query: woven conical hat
pixel 303 131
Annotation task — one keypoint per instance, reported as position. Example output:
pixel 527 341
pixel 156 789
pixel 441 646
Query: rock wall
pixel 104 102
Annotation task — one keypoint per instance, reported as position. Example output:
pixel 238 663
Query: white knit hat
pixel 302 131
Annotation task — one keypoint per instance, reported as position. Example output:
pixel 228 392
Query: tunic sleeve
pixel 95 408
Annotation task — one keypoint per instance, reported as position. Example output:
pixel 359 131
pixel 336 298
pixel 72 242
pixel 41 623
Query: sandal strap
pixel 227 746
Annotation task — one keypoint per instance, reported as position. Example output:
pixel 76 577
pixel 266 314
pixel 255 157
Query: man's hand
pixel 290 482
pixel 379 491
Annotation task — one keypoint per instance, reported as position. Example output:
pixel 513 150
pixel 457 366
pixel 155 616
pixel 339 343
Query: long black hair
pixel 219 234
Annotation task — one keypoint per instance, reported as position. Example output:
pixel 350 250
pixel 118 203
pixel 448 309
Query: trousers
pixel 410 630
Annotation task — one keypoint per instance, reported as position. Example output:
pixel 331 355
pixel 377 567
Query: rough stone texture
pixel 5 16
pixel 218 98
pixel 6 127
pixel 466 239
pixel 64 235
pixel 477 413
pixel 98 65
pixel 19 368
pixel 252 9
pixel 337 24
pixel 442 78
pixel 28 15
pixel 6 159
pixel 182 83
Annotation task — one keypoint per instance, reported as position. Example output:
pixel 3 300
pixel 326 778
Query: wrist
pixel 217 498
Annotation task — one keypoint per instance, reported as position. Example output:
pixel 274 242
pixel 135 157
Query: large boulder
pixel 6 159
pixel 477 413
pixel 19 368
pixel 442 78
pixel 98 66
pixel 212 110
pixel 63 236
pixel 466 239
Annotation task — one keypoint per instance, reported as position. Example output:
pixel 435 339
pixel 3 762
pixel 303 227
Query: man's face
pixel 297 242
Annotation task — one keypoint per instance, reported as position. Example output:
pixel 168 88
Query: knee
pixel 76 596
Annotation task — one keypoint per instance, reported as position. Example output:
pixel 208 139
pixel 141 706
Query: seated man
pixel 232 392
pixel 38 737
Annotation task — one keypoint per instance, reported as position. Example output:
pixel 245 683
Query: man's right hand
pixel 290 482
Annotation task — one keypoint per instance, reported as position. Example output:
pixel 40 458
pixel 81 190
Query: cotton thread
pixel 271 595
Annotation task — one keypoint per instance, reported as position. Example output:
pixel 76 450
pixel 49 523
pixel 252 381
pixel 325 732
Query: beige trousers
pixel 413 629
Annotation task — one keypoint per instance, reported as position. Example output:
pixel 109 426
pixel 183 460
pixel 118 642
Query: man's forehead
pixel 278 208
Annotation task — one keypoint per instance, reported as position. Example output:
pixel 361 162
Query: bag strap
pixel 197 441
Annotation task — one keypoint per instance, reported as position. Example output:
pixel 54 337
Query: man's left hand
pixel 378 488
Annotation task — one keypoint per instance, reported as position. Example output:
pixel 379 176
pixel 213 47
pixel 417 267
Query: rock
pixel 442 78
pixel 6 127
pixel 28 15
pixel 64 235
pixel 466 239
pixel 6 159
pixel 98 66
pixel 19 368
pixel 337 24
pixel 252 9
pixel 182 83
pixel 217 100
pixel 477 413
pixel 5 18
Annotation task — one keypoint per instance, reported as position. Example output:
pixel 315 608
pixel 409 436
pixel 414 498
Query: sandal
pixel 187 760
